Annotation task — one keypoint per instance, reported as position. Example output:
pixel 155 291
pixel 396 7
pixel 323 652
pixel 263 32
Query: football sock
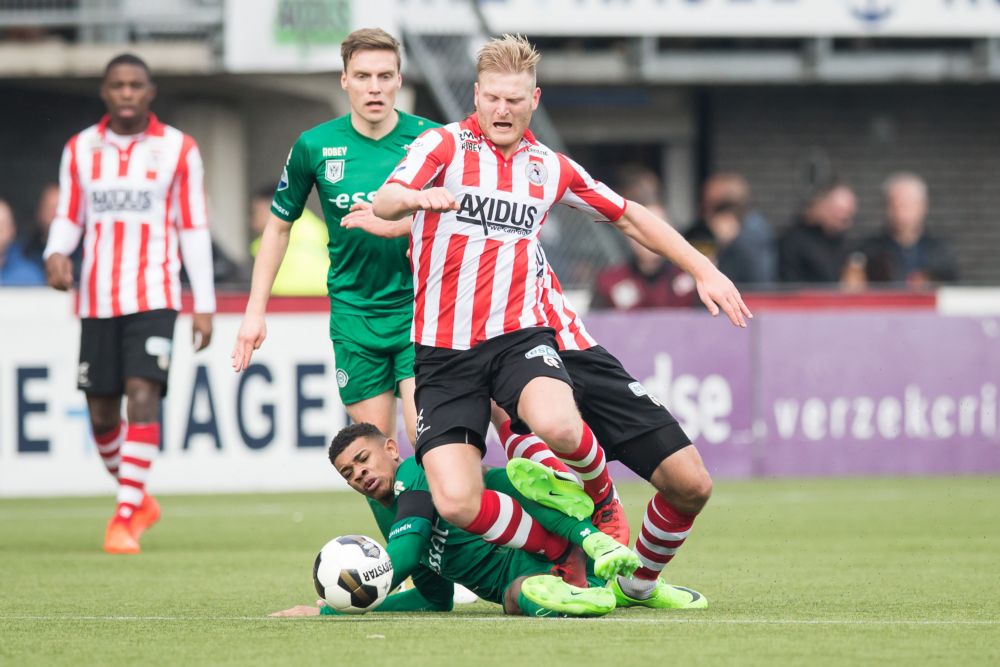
pixel 664 530
pixel 109 447
pixel 528 447
pixel 502 520
pixel 637 589
pixel 589 464
pixel 141 446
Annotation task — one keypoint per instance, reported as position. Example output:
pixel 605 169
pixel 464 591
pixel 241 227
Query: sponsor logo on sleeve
pixel 283 183
pixel 342 378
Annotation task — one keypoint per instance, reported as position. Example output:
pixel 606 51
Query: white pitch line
pixel 495 619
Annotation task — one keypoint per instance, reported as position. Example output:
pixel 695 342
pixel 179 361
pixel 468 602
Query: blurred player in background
pixel 370 288
pixel 481 189
pixel 132 188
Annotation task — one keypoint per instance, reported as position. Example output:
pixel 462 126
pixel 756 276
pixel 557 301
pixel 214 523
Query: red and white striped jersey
pixel 132 197
pixel 478 272
pixel 571 334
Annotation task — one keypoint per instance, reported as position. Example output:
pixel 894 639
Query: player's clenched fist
pixel 436 200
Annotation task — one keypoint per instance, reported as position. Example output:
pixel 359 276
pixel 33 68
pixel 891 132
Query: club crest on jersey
pixel 537 173
pixel 548 355
pixel 342 378
pixel 334 170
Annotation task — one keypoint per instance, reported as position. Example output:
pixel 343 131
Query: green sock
pixel 581 531
pixel 533 608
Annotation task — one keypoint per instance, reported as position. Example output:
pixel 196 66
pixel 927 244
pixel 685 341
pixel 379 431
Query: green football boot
pixel 558 490
pixel 610 558
pixel 553 594
pixel 664 596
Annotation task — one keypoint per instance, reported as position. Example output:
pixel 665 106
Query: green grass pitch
pixel 798 572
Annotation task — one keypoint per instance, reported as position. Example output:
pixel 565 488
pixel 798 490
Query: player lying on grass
pixel 437 555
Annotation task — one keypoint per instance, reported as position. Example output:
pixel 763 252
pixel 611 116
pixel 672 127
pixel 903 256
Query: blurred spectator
pixel 755 236
pixel 640 184
pixel 718 236
pixel 15 268
pixel 45 213
pixel 815 249
pixel 303 271
pixel 646 280
pixel 903 251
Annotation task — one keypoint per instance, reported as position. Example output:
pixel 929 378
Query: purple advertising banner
pixel 700 368
pixel 852 393
pixel 828 393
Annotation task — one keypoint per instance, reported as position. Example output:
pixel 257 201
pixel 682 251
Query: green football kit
pixel 435 553
pixel 369 282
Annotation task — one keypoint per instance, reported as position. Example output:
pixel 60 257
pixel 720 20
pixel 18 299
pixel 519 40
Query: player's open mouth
pixel 502 125
pixel 371 484
pixel 375 105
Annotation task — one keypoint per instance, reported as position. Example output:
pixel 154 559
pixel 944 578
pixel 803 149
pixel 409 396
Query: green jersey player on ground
pixel 369 280
pixel 437 555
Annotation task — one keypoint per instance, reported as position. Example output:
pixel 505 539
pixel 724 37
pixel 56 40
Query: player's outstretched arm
pixel 361 217
pixel 394 201
pixel 714 288
pixel 253 330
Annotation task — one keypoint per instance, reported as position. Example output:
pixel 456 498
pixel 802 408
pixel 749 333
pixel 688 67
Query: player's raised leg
pixel 454 474
pixel 536 488
pixel 549 408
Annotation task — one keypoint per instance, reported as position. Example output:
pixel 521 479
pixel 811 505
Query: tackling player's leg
pixel 683 488
pixel 549 408
pixel 454 474
pixel 545 595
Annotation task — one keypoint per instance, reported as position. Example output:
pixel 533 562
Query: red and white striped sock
pixel 528 447
pixel 664 530
pixel 109 447
pixel 140 449
pixel 502 520
pixel 589 464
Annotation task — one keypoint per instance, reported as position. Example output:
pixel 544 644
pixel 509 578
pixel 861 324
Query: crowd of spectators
pixel 818 247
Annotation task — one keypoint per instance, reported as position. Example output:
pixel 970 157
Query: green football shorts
pixel 373 353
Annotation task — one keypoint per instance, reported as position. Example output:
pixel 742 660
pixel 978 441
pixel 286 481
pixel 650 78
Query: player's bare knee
pixel 143 401
pixel 689 495
pixel 561 434
pixel 457 510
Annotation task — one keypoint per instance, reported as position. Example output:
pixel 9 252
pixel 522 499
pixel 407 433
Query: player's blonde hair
pixel 510 54
pixel 368 39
